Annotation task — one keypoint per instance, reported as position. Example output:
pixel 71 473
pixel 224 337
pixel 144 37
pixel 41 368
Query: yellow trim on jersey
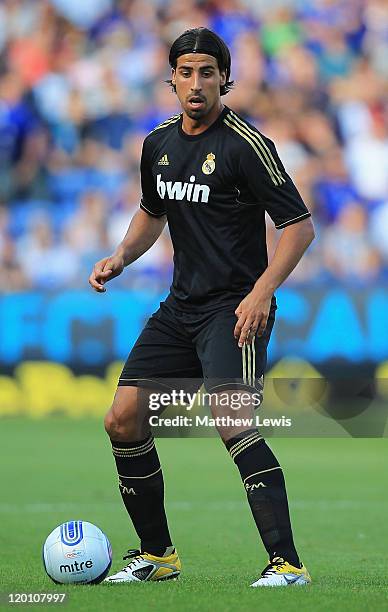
pixel 264 147
pixel 285 223
pixel 228 120
pixel 152 215
pixel 166 123
pixel 251 142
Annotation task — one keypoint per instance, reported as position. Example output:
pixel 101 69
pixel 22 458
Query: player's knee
pixel 121 427
pixel 109 424
pixel 122 422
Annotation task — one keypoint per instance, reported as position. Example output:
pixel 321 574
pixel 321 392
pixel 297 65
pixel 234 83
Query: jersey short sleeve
pixel 268 184
pixel 150 201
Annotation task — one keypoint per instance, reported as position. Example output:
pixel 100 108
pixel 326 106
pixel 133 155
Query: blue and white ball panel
pixel 77 552
pixel 71 533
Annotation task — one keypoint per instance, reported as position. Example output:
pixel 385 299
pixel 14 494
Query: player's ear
pixel 173 76
pixel 223 78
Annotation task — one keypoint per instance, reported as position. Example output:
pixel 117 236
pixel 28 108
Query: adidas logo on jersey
pixel 193 192
pixel 164 161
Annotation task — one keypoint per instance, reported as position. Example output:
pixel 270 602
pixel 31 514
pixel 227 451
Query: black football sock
pixel 264 483
pixel 142 490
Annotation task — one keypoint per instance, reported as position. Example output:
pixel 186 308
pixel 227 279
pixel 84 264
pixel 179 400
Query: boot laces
pixel 274 565
pixel 132 554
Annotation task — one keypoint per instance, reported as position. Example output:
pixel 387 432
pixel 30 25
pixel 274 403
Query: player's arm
pixel 145 228
pixel 271 187
pixel 142 233
pixel 253 310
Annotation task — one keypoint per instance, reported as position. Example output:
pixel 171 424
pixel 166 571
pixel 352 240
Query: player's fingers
pixel 262 325
pixel 239 325
pixel 251 333
pixel 106 273
pixel 104 276
pixel 238 311
pixel 102 272
pixel 96 279
pixel 95 284
pixel 245 331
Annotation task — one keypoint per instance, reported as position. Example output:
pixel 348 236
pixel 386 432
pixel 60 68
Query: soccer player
pixel 211 176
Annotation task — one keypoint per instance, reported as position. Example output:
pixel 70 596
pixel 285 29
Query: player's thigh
pixel 162 359
pixel 162 355
pixel 224 364
pixel 233 376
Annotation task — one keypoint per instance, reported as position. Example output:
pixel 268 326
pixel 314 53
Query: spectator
pixel 49 264
pixel 347 251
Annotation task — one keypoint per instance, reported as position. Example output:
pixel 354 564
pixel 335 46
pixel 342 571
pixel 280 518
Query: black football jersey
pixel 214 188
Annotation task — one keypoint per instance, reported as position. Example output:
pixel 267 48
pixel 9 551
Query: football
pixel 77 552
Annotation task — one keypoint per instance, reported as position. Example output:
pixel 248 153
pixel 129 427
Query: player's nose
pixel 196 85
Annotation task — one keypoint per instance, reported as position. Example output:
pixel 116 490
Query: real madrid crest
pixel 209 165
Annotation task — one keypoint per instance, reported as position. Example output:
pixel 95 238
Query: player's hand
pixel 252 314
pixel 104 270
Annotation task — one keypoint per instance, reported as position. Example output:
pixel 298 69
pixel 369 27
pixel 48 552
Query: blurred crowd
pixel 81 84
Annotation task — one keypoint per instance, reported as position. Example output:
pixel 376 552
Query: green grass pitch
pixel 60 469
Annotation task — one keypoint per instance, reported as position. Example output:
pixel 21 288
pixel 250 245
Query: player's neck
pixel 192 127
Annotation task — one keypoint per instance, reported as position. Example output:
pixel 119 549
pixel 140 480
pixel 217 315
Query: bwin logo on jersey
pixel 182 191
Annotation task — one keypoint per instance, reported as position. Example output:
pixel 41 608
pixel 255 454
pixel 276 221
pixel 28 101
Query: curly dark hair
pixel 202 40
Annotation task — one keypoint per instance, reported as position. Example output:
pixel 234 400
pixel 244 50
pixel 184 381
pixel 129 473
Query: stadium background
pixel 81 84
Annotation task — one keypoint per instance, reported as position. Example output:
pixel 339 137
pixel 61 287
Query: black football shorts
pixel 181 350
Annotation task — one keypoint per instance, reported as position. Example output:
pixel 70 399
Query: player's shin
pixel 264 483
pixel 142 490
